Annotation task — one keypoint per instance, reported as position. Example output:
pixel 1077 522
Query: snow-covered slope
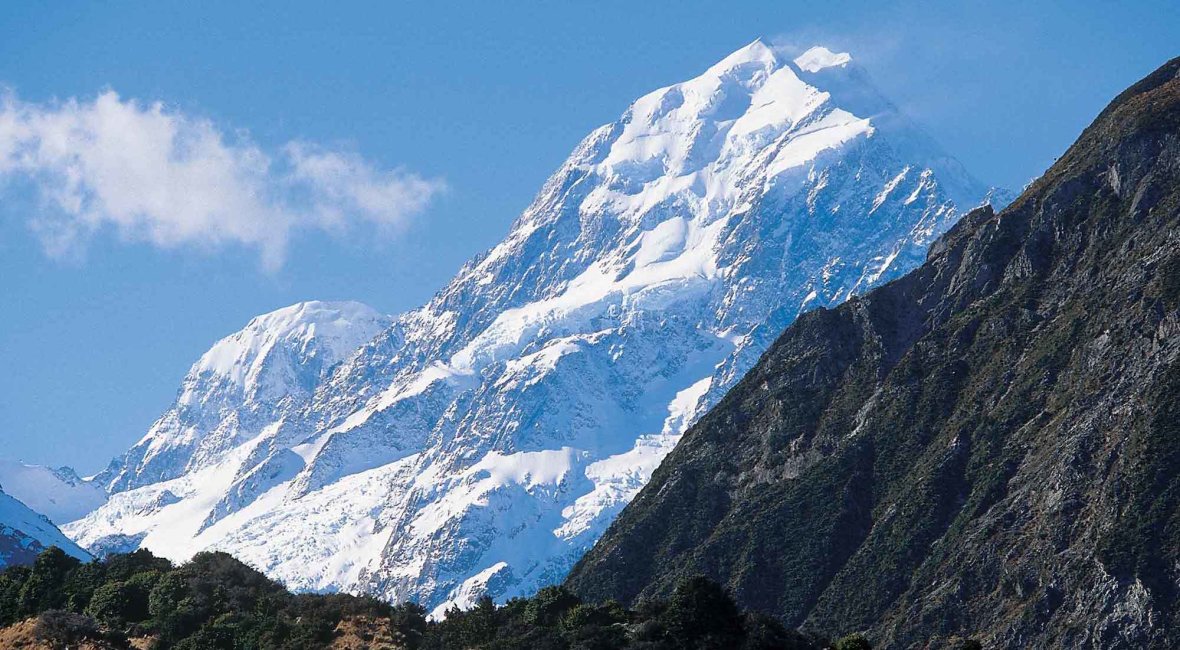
pixel 24 534
pixel 244 384
pixel 484 441
pixel 59 494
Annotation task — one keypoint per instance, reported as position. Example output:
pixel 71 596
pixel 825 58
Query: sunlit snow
pixel 482 443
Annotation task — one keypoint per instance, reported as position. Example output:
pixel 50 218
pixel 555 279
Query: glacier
pixel 482 443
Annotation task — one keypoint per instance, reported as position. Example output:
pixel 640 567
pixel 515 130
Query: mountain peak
pixel 756 52
pixel 287 319
pixel 713 123
pixel 820 57
pixel 337 326
pixel 277 359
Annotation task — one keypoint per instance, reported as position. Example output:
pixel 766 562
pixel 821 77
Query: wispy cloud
pixel 156 175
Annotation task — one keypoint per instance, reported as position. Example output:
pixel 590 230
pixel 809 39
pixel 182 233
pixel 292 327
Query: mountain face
pixel 482 443
pixel 988 445
pixel 24 534
pixel 245 383
pixel 58 493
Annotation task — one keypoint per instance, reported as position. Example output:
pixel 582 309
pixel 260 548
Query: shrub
pixel 62 628
pixel 853 642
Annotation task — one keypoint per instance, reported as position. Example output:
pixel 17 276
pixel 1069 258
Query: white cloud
pixel 156 175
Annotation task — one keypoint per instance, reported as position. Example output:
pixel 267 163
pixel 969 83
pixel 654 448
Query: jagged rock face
pixel 483 442
pixel 986 446
pixel 24 534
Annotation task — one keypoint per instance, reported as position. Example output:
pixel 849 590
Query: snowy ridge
pixel 59 494
pixel 483 442
pixel 243 384
pixel 24 534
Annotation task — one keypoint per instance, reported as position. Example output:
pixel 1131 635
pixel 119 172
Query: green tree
pixel 474 627
pixel 853 642
pixel 166 594
pixel 594 627
pixel 409 624
pixel 122 567
pixel 81 584
pixel 12 581
pixel 550 605
pixel 766 633
pixel 214 636
pixel 701 614
pixel 118 604
pixel 44 589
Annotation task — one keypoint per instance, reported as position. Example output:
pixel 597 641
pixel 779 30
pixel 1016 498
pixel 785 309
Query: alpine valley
pixel 484 442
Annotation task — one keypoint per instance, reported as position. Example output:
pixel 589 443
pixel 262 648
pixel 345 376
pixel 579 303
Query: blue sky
pixel 455 115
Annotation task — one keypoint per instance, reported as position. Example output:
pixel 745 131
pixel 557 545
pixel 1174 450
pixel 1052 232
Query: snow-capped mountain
pixel 483 442
pixel 58 493
pixel 24 534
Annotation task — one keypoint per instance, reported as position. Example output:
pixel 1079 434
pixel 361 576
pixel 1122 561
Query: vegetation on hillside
pixel 216 602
